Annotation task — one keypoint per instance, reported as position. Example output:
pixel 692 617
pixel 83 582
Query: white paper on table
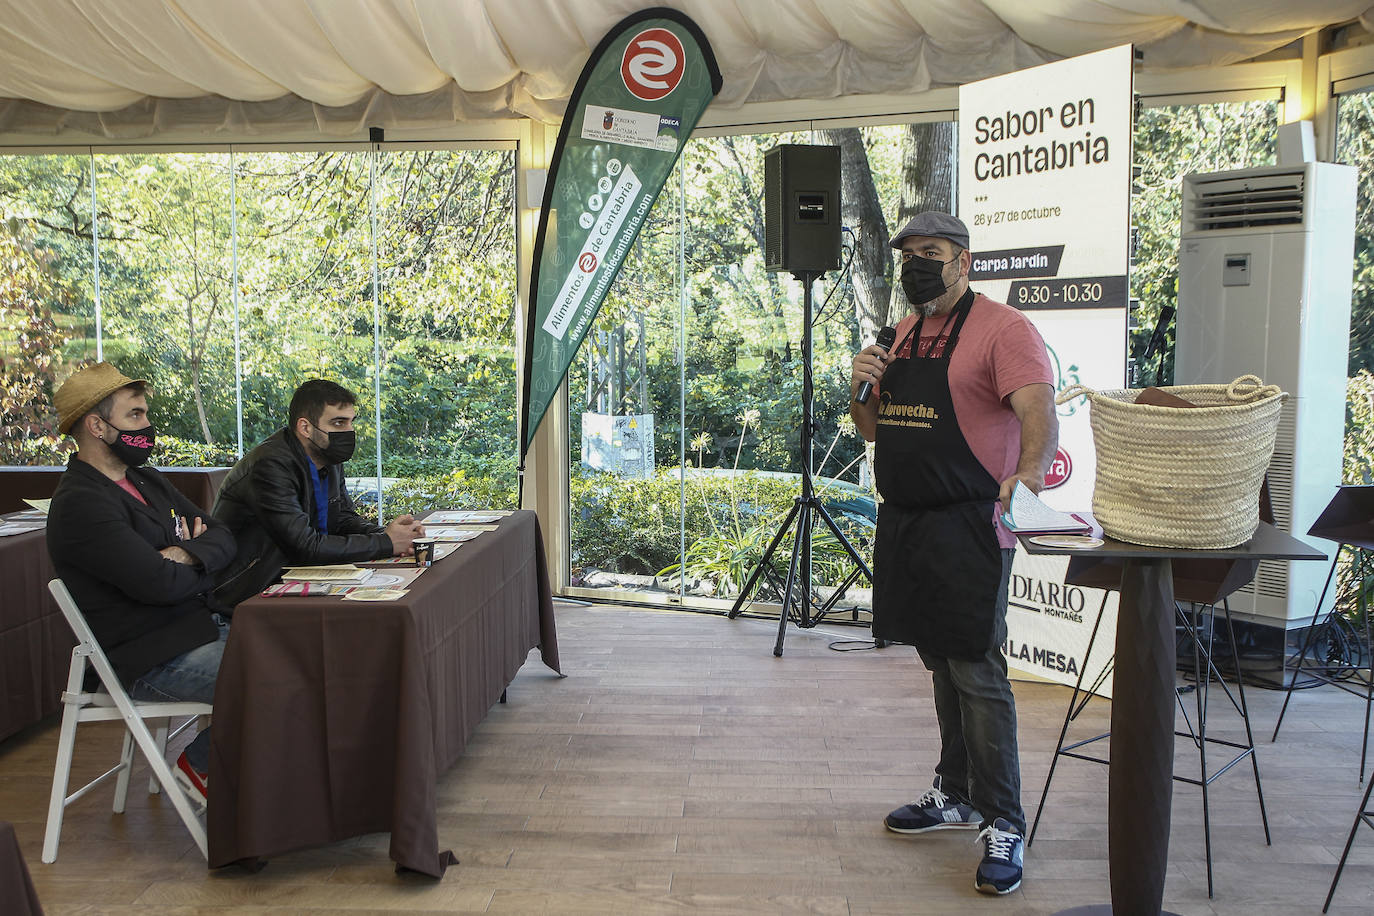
pixel 8 529
pixel 464 516
pixel 341 573
pixel 451 534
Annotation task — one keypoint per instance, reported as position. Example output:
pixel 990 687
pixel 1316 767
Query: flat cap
pixel 936 225
pixel 84 389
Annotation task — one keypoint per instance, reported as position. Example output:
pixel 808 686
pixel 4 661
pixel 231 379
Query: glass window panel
pixel 167 294
pixel 1171 142
pixel 446 262
pixel 625 428
pixel 47 301
pixel 305 277
pixel 1355 146
pixel 742 375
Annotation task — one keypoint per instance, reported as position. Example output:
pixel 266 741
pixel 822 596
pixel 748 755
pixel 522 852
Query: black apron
pixel 937 563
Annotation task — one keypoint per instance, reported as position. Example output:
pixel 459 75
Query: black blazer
pixel 143 607
pixel 268 502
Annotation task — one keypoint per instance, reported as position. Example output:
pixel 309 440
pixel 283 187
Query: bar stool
pixel 1363 813
pixel 1349 521
pixel 1204 585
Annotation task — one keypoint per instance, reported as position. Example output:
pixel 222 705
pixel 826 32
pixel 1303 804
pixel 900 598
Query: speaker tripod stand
pixel 806 510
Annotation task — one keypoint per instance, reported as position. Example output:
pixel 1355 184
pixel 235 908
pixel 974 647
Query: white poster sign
pixel 1045 188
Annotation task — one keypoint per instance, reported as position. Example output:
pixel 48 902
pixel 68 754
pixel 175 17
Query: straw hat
pixel 84 389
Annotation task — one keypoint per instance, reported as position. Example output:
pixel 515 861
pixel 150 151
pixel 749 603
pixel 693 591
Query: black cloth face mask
pixel 133 446
pixel 341 445
pixel 923 279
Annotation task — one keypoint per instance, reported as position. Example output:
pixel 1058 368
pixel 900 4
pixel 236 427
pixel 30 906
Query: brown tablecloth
pixel 334 718
pixel 17 896
pixel 19 483
pixel 35 642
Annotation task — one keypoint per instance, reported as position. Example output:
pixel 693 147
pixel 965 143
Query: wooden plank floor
pixel 681 768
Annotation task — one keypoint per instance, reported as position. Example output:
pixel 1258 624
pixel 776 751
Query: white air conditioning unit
pixel 1264 274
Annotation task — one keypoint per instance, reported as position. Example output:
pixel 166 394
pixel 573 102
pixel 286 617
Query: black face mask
pixel 923 279
pixel 133 446
pixel 340 447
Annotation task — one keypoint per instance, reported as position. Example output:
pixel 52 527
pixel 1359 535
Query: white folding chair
pixel 112 703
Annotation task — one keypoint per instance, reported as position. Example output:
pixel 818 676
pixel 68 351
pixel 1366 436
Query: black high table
pixel 1140 781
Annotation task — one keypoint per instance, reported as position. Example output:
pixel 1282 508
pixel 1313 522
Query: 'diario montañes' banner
pixel 637 101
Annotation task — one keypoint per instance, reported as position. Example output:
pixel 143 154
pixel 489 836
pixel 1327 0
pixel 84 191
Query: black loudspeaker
pixel 801 208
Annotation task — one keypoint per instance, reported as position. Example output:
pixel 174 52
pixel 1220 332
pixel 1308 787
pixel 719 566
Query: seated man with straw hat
pixel 138 557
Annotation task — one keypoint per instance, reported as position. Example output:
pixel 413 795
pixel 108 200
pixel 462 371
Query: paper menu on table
pixel 451 533
pixel 1028 513
pixel 441 550
pixel 40 504
pixel 11 527
pixel 465 516
pixel 340 574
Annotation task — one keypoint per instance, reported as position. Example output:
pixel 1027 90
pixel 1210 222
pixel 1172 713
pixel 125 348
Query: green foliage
pixel 453 490
pixel 1355 145
pixel 1359 429
pixel 176 452
pixel 30 350
pixel 624 525
pixel 727 557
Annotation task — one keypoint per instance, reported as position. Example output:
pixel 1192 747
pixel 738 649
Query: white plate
pixel 1066 541
pixel 375 594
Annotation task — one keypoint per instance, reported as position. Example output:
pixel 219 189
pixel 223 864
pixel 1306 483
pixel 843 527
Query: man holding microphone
pixel 961 409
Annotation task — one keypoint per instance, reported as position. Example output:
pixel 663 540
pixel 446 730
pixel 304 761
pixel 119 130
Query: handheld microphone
pixel 886 338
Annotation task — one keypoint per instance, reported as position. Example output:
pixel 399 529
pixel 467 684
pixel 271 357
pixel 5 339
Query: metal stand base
pixel 806 509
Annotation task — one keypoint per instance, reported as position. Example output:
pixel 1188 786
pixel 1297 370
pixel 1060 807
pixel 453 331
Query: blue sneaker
pixel 933 811
pixel 1000 870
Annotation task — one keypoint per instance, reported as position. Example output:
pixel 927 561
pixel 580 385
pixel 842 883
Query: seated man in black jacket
pixel 138 557
pixel 286 502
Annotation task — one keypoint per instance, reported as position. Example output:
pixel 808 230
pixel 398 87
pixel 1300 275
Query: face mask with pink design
pixel 133 446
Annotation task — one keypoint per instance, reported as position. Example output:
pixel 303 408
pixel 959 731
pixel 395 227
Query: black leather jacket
pixel 269 504
pixel 143 607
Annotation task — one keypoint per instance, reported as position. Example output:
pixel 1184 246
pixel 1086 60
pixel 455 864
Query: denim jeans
pixel 977 715
pixel 189 677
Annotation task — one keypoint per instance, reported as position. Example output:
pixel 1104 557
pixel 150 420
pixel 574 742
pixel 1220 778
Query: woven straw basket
pixel 1171 477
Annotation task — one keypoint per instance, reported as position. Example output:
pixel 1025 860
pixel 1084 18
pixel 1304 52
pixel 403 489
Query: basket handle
pixel 1250 388
pixel 1074 391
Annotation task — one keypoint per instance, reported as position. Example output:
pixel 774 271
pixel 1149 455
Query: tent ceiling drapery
pixel 134 69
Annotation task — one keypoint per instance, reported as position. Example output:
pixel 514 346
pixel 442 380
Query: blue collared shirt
pixel 320 481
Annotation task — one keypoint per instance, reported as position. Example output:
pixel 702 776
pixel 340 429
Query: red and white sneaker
pixel 195 783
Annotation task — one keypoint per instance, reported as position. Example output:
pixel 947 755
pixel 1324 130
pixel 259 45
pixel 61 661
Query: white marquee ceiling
pixel 134 68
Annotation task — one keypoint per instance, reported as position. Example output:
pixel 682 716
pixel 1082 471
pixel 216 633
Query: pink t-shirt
pixel 999 351
pixel 131 489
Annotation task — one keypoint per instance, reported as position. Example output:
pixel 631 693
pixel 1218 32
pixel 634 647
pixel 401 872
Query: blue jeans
pixel 977 714
pixel 189 677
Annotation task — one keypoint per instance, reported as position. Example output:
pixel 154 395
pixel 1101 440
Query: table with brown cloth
pixel 1140 780
pixel 35 641
pixel 200 485
pixel 333 718
pixel 17 895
